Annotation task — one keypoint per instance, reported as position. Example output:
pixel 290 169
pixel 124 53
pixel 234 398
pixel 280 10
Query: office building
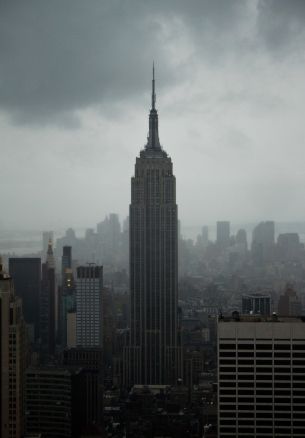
pixel 47 306
pixel 288 247
pixel 47 236
pixel 109 234
pixel 223 234
pixel 13 349
pixel 261 377
pixel 54 404
pixel 71 329
pixel 89 287
pixel 256 304
pixel 26 274
pixel 67 299
pixel 66 259
pixel 90 360
pixel 289 303
pixel 241 243
pixel 154 355
pixel 66 294
pixel 205 235
pixel 263 242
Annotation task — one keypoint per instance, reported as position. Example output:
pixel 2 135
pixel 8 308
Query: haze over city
pixel 75 94
pixel 152 229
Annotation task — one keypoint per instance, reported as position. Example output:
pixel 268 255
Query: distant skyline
pixel 74 98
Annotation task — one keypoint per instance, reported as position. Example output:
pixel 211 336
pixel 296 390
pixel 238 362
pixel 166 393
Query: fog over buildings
pixel 132 306
pixel 74 92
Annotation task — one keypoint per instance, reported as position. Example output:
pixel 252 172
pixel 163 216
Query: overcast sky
pixel 75 78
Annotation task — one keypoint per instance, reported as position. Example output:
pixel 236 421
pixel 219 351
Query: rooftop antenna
pixel 153 96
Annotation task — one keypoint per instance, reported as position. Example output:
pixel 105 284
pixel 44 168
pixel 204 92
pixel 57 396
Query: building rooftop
pixel 256 295
pixel 237 317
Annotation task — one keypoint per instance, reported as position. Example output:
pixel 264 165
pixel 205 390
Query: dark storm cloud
pixel 281 24
pixel 59 56
pixel 63 55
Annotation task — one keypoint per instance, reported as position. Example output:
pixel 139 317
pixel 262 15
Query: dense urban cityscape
pixel 160 322
pixel 96 340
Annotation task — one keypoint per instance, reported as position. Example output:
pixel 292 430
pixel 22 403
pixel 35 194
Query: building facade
pixel 13 348
pixel 90 360
pixel 54 405
pixel 262 246
pixel 47 311
pixel 89 287
pixel 154 355
pixel 26 274
pixel 256 304
pixel 261 377
pixel 223 234
pixel 289 303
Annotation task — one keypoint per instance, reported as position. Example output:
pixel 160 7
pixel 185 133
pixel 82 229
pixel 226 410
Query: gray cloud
pixel 281 24
pixel 230 87
pixel 61 56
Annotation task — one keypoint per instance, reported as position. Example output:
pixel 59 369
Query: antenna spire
pixel 153 95
pixel 153 136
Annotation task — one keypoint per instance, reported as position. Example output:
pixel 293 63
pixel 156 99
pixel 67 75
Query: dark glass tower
pixel 154 355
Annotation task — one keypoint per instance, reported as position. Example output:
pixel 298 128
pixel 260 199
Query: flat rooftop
pixel 261 318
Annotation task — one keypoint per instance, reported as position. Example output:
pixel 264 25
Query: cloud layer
pixel 74 96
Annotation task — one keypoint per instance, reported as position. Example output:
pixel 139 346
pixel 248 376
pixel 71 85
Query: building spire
pixel 153 136
pixel 153 95
pixel 50 256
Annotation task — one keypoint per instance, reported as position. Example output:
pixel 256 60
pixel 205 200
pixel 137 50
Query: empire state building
pixel 154 353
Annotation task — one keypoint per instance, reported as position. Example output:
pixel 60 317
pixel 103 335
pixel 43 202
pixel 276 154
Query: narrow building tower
pixel 154 355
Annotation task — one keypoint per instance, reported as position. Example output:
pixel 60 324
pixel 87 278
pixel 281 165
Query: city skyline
pixel 152 274
pixel 231 87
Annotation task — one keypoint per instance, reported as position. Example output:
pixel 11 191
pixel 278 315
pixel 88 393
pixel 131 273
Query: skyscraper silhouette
pixel 154 355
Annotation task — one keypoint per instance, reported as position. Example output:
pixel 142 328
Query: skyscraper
pixel 66 293
pixel 54 402
pixel 26 274
pixel 289 303
pixel 12 359
pixel 154 355
pixel 66 260
pixel 263 242
pixel 223 233
pixel 47 306
pixel 46 237
pixel 89 286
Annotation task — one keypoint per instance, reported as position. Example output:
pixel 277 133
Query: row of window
pixel 276 392
pixel 268 415
pixel 264 422
pixel 262 362
pixel 286 376
pixel 261 346
pixel 264 354
pixel 245 399
pixel 279 384
pixel 264 407
pixel 276 431
pixel 264 369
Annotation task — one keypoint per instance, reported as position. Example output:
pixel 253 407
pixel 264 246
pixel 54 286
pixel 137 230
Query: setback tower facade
pixel 154 354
